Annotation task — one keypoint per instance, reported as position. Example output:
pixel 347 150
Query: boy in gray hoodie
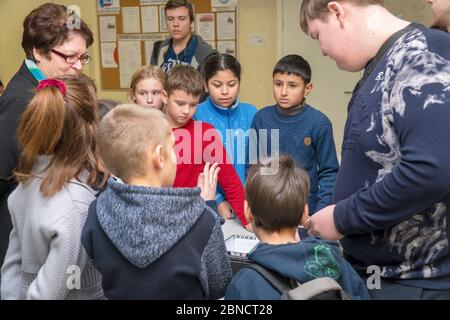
pixel 149 240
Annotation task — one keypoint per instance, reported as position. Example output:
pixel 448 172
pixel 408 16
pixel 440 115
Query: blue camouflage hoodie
pixel 304 261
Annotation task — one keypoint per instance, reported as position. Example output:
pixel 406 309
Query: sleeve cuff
pixel 338 217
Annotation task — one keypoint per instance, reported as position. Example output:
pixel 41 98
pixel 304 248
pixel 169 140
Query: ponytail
pixel 61 122
pixel 41 127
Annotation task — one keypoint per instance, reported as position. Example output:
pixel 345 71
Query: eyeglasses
pixel 84 59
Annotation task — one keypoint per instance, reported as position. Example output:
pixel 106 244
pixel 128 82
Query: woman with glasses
pixel 55 41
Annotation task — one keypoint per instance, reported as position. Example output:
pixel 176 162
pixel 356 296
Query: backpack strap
pixel 155 52
pixel 280 283
pixel 324 288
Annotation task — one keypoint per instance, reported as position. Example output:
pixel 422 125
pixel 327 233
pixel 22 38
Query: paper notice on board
pixel 149 19
pixel 129 60
pixel 108 31
pixel 131 20
pixel 223 3
pixel 162 20
pixel 226 26
pixel 147 2
pixel 108 59
pixel 227 47
pixel 205 25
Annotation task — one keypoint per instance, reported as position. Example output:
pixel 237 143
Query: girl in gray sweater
pixel 58 167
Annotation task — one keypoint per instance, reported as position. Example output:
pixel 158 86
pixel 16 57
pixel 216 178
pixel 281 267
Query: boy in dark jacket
pixel 276 203
pixel 149 240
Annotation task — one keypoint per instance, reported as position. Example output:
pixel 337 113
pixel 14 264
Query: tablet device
pixel 240 245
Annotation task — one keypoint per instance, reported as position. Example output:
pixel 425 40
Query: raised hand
pixel 207 181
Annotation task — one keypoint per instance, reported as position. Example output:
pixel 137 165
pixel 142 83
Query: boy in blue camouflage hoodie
pixel 275 205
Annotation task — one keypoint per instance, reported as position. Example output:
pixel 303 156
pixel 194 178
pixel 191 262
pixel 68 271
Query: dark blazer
pixel 18 93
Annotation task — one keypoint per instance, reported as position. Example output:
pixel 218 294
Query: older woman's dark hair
pixel 50 25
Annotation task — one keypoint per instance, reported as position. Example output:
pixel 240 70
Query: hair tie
pixel 61 86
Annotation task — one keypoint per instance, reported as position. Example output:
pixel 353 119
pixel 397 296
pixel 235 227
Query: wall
pixel 411 10
pixel 254 15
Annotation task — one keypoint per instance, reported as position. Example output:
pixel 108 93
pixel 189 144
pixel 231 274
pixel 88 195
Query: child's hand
pixel 207 181
pixel 225 210
pixel 249 227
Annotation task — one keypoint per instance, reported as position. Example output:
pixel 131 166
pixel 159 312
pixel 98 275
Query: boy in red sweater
pixel 198 142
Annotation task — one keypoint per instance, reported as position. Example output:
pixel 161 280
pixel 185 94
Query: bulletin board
pixel 129 28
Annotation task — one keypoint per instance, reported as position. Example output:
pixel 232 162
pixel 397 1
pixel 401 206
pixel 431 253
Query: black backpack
pixel 318 289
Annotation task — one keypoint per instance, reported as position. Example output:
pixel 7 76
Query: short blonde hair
pixel 146 72
pixel 314 9
pixel 126 133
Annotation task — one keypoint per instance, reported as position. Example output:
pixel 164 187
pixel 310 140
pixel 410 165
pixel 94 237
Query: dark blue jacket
pixel 393 188
pixel 311 258
pixel 18 93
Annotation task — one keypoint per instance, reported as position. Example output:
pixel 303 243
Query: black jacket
pixel 18 93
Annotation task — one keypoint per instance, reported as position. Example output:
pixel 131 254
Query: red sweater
pixel 197 143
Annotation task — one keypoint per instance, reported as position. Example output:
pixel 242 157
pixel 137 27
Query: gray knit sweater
pixel 45 252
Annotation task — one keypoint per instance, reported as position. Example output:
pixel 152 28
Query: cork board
pixel 129 28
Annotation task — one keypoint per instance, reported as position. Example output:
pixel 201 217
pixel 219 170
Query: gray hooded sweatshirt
pixel 156 243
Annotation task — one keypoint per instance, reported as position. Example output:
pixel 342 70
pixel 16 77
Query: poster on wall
pixel 108 31
pixel 226 26
pixel 147 2
pixel 109 55
pixel 228 47
pixel 130 20
pixel 162 20
pixel 149 17
pixel 108 6
pixel 205 25
pixel 223 3
pixel 129 60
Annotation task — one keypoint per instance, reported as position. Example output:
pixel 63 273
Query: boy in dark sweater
pixel 149 240
pixel 275 205
pixel 303 132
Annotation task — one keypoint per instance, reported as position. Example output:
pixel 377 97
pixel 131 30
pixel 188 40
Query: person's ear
pixel 305 215
pixel 133 97
pixel 247 212
pixel 158 157
pixel 164 97
pixel 336 10
pixel 37 55
pixel 206 87
pixel 308 89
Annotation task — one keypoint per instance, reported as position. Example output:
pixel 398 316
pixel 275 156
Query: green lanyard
pixel 34 70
